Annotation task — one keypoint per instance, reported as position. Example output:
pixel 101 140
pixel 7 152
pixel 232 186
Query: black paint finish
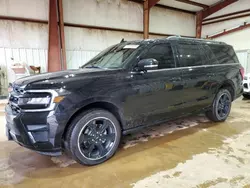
pixel 135 98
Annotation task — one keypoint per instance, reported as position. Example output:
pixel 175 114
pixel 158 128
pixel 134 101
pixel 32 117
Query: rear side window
pixel 190 54
pixel 163 54
pixel 224 54
pixel 211 59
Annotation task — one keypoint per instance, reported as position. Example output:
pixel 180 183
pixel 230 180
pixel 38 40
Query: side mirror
pixel 147 64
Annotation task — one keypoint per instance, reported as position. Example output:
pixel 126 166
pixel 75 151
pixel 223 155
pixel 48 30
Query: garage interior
pixel 54 35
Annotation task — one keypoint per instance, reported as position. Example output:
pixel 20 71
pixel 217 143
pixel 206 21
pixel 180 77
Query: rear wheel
pixel 221 106
pixel 246 96
pixel 93 137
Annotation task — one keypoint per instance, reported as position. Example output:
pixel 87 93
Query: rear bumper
pixel 246 87
pixel 32 130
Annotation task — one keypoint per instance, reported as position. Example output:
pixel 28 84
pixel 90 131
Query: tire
pixel 246 96
pixel 219 112
pixel 93 137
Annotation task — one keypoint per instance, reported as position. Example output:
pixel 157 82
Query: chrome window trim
pixel 192 67
pixel 51 105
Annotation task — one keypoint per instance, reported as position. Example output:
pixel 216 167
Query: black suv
pixel 127 86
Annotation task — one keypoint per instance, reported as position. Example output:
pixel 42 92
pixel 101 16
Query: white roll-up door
pixel 244 58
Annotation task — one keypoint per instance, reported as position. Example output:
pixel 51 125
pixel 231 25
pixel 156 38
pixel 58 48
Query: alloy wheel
pixel 223 105
pixel 97 138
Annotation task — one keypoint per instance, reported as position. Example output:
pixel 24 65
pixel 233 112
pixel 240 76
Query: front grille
pixel 245 85
pixel 15 108
pixel 13 103
pixel 17 91
pixel 13 99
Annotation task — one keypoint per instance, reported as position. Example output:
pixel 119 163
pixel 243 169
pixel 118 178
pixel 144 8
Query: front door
pixel 157 93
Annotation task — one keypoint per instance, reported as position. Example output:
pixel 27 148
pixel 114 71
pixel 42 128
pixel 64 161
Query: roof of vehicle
pixel 195 40
pixel 175 38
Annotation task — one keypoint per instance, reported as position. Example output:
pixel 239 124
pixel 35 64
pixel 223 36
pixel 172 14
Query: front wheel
pixel 93 137
pixel 221 106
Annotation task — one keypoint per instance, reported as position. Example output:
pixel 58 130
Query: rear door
pixel 224 65
pixel 213 71
pixel 192 63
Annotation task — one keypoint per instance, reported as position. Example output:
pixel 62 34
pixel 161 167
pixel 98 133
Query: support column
pixel 145 20
pixel 54 63
pixel 198 24
pixel 62 37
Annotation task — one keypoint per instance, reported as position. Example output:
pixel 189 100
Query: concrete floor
pixel 190 152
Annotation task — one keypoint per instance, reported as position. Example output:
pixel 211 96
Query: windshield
pixel 112 57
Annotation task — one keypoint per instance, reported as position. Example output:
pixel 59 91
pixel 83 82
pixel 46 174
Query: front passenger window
pixel 163 54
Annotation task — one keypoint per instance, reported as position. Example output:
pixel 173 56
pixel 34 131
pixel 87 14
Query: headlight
pixel 34 100
pixel 40 100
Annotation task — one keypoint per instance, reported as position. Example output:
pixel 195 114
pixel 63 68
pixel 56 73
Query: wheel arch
pixel 228 84
pixel 112 108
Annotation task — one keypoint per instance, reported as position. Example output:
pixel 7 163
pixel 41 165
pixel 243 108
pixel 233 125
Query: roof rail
pixel 195 39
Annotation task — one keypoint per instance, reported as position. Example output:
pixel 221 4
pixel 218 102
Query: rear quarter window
pixel 224 54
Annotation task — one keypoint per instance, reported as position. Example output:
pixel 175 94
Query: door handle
pixel 210 74
pixel 175 79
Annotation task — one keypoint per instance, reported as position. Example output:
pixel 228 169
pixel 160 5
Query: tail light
pixel 242 71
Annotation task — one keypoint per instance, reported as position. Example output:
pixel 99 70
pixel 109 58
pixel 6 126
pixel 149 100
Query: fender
pixel 90 102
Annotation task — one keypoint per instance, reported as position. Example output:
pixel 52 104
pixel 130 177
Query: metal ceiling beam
pixel 201 15
pixel 23 19
pixel 216 7
pixel 226 19
pixel 152 3
pixel 226 32
pixel 227 15
pixel 118 30
pixel 194 3
pixel 54 55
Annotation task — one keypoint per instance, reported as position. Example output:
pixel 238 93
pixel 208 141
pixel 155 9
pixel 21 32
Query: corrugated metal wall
pixel 28 42
pixel 35 57
pixel 171 22
pixel 38 57
pixel 121 14
pixel 36 9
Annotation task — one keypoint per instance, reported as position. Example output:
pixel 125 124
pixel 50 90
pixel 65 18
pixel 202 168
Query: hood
pixel 55 78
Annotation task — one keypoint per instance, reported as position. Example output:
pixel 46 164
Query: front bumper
pixel 34 130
